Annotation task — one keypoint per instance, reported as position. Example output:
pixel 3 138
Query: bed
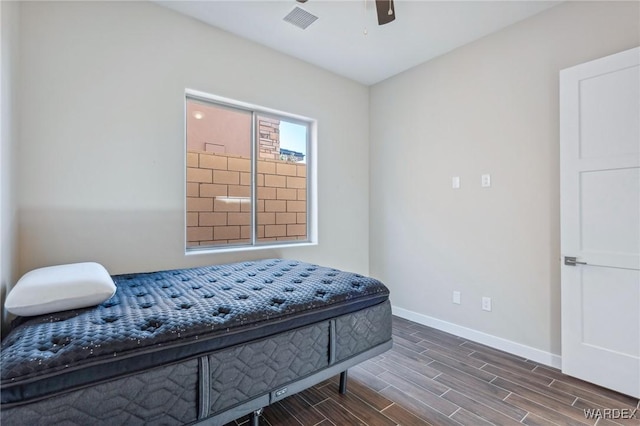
pixel 193 346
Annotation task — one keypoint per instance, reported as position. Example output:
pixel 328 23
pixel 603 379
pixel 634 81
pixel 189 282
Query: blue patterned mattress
pixel 161 317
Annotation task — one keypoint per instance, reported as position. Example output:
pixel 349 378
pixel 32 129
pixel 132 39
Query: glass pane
pixel 281 180
pixel 218 175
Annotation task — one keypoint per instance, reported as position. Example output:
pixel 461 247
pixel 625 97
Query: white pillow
pixel 59 288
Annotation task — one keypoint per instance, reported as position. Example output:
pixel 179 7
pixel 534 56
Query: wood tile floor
pixel 434 378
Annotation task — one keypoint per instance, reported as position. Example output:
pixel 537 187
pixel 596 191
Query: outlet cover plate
pixel 486 304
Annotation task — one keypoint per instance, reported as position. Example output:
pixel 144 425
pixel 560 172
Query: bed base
pixel 255 416
pixel 347 340
pixel 256 405
pixel 343 383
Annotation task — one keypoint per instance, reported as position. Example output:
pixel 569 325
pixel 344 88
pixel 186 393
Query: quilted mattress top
pixel 180 312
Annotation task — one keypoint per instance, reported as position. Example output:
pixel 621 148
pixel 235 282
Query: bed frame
pixel 205 379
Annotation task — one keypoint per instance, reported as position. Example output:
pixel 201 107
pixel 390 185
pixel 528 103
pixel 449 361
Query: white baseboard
pixel 537 355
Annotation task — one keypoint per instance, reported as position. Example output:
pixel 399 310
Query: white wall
pixel 101 157
pixel 488 107
pixel 9 38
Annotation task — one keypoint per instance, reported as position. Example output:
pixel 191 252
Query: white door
pixel 600 221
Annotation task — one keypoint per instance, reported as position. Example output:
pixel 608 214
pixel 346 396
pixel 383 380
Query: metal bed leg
pixel 343 382
pixel 255 417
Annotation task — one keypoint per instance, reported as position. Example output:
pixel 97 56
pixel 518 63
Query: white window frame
pixel 311 163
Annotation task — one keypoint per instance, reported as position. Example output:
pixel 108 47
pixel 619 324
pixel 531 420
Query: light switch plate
pixel 455 182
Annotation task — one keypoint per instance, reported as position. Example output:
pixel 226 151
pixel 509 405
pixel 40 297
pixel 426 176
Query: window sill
pixel 219 250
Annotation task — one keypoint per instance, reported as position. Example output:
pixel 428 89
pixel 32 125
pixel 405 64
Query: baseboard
pixel 537 355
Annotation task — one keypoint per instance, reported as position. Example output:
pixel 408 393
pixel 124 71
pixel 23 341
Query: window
pixel 247 177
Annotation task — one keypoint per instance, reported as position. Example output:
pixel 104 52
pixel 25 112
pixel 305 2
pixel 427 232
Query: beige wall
pixel 488 107
pixel 102 156
pixel 9 37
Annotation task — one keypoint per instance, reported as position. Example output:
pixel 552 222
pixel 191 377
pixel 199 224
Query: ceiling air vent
pixel 300 18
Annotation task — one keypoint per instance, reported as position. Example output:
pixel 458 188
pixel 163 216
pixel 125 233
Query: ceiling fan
pixel 385 9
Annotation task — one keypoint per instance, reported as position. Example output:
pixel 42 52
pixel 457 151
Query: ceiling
pixel 346 39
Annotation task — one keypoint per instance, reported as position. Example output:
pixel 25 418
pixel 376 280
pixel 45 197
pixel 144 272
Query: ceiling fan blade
pixel 386 11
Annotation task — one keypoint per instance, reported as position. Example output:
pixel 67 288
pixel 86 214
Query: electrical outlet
pixel 486 304
pixel 455 182
pixel 486 181
pixel 456 297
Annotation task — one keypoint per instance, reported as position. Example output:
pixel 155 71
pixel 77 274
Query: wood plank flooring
pixel 434 378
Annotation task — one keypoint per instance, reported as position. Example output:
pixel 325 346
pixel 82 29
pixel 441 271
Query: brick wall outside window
pixel 269 138
pixel 218 199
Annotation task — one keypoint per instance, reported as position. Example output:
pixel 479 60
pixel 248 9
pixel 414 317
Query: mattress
pixel 177 320
pixel 216 388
